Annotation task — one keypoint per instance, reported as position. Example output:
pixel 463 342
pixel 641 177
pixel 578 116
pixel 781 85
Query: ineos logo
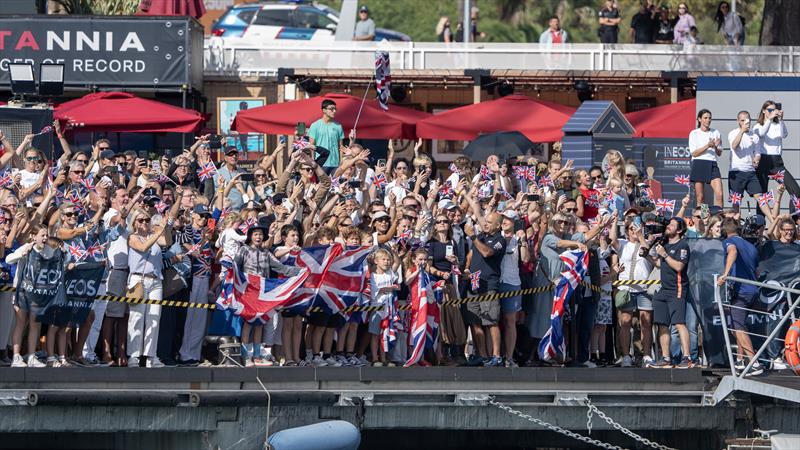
pixel 48 276
pixel 81 288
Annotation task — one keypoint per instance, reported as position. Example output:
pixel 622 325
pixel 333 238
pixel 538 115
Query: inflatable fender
pixel 332 435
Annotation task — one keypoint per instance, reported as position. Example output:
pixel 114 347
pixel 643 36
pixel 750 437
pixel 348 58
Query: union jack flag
pixel 609 197
pixel 520 172
pixel 424 317
pixel 766 198
pixel 74 198
pixel 447 190
pixel 683 180
pixel 383 78
pixel 335 183
pixel 505 194
pixel 485 173
pixel 204 259
pixel 475 280
pixel 485 189
pixel 407 235
pixel 88 183
pixel 380 181
pixel 593 200
pixel 545 180
pixel 335 276
pixel 45 130
pixel 552 345
pixel 664 205
pixel 76 251
pixel 455 270
pixel 247 224
pixel 647 193
pixel 300 144
pixel 253 297
pixel 778 176
pixel 6 180
pixel 206 171
pixel 735 197
pixel 796 203
pixel 161 207
pixel 95 250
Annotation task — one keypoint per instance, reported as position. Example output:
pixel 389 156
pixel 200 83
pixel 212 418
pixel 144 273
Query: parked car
pixel 260 22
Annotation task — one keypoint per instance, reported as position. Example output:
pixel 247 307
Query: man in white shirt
pixel 745 156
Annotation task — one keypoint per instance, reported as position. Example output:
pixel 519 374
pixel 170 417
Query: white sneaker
pixel 249 362
pixel 591 365
pixel 626 361
pixel 333 362
pixel 317 361
pixel 757 369
pixel 779 364
pixel 739 365
pixel 52 361
pixel 356 362
pixel 154 362
pixel 133 361
pixel 648 361
pixel 33 361
pixel 18 361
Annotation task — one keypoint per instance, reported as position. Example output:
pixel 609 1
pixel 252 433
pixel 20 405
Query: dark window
pixel 306 17
pixel 274 18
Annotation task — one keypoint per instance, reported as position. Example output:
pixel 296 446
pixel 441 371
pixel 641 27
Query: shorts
pixel 668 310
pixel 510 304
pixel 603 312
pixel 738 317
pixel 374 325
pixel 639 301
pixel 484 313
pixel 319 319
pixel 703 171
pixel 740 182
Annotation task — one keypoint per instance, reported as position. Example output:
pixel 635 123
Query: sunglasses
pixel 563 222
pixel 410 217
pixel 70 214
pixel 442 221
pixel 259 174
pixel 597 177
pixel 571 210
pixel 84 161
pixel 79 172
pixel 33 159
pixel 143 220
pixel 306 169
pixel 401 168
pixel 104 148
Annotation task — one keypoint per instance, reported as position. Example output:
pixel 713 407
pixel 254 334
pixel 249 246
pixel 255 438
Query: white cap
pixel 446 204
pixel 510 214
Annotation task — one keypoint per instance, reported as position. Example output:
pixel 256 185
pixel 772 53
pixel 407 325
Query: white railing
pixel 233 56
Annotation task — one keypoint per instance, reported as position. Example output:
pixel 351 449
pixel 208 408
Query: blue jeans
pixel 691 325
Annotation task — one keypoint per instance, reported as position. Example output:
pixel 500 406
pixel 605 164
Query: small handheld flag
pixel 683 180
pixel 735 198
pixel 766 198
pixel 663 205
pixel 475 280
pixel 206 171
pixel 778 176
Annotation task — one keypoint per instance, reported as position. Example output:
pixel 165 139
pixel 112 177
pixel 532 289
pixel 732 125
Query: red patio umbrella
pixel 675 120
pixel 124 112
pixel 374 123
pixel 194 8
pixel 538 120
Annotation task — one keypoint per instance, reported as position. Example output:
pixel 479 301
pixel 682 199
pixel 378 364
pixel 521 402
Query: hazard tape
pixel 360 308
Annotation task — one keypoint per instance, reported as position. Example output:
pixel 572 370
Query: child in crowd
pixel 383 286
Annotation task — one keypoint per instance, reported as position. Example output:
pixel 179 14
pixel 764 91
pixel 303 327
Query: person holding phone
pixel 706 146
pixel 771 130
pixel 328 134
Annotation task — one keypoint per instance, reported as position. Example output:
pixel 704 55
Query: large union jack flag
pixel 417 337
pixel 552 345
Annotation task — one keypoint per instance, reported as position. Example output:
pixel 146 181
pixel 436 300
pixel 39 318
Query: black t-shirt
pixel 438 252
pixel 612 13
pixel 665 30
pixel 489 267
pixel 644 27
pixel 675 284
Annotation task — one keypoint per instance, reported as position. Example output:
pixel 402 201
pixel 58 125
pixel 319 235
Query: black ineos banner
pixel 106 50
pixel 81 285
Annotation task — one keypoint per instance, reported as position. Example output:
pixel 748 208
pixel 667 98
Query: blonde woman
pixel 145 281
pixel 443 31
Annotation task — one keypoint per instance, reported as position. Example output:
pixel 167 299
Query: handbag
pixel 622 297
pixel 137 291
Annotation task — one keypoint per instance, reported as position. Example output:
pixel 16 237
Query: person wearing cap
pixel 516 252
pixel 255 258
pixel 195 240
pixel 365 27
pixel 229 172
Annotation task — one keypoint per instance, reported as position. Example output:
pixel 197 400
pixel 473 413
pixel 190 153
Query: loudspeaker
pixel 17 122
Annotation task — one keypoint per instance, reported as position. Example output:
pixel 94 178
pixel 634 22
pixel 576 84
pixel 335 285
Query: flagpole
pixel 363 99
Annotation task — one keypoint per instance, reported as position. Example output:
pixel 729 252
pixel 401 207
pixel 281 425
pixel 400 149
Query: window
pixel 274 18
pixel 307 17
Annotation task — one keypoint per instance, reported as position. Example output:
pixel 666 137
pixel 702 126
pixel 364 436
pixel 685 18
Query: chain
pixel 622 429
pixel 552 427
pixel 589 421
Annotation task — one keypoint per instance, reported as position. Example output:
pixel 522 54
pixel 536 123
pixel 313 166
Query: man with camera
pixel 740 261
pixel 671 254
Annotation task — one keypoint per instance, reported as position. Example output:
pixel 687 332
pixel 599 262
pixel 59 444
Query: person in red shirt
pixel 589 198
pixel 553 34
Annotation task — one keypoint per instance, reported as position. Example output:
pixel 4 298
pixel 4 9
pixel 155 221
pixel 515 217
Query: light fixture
pixel 22 81
pixel 51 79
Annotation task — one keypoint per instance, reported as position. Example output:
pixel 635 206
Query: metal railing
pixel 237 56
pixel 723 304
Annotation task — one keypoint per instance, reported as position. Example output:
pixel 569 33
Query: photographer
pixel 740 261
pixel 671 254
pixel 771 130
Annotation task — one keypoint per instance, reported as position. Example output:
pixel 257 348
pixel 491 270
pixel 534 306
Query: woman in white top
pixel 146 266
pixel 771 132
pixel 706 145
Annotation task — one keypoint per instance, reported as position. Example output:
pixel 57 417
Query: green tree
pixel 99 7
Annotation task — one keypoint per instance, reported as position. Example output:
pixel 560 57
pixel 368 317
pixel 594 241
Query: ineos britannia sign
pixel 106 51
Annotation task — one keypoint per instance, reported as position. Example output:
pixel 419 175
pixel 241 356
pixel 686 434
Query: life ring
pixel 792 347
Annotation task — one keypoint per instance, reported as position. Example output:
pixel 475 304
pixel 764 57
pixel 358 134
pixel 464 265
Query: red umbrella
pixel 194 8
pixel 374 123
pixel 539 121
pixel 124 112
pixel 675 120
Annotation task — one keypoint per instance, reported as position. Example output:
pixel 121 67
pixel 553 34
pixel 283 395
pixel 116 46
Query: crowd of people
pixel 168 229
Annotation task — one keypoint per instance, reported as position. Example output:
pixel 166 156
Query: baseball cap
pixel 510 214
pixel 363 9
pixel 107 154
pixel 446 204
pixel 379 215
pixel 231 149
pixel 201 209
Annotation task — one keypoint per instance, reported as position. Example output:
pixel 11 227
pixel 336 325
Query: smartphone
pixel 215 141
pixel 779 106
pixel 448 251
pixel 355 184
pixel 519 225
pixel 532 197
pixel 301 129
pixel 247 177
pixel 282 139
pixel 704 211
pixel 637 221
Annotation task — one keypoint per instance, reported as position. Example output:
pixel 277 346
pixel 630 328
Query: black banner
pixel 80 288
pixel 706 259
pixel 41 280
pixel 105 50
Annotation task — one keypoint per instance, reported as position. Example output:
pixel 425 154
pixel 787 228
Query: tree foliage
pixel 524 20
pixel 99 7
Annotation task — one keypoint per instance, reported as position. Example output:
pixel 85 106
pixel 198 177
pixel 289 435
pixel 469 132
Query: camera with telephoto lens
pixel 654 225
